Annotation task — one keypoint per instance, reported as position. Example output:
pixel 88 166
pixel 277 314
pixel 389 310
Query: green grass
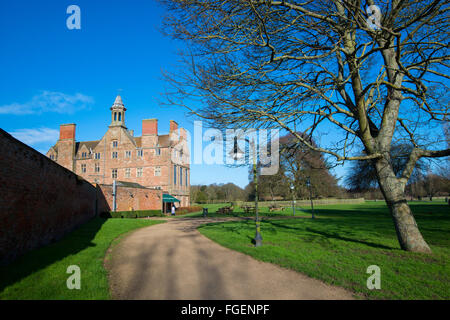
pixel 338 247
pixel 41 273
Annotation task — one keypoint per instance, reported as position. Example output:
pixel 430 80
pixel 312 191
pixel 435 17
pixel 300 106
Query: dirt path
pixel 174 261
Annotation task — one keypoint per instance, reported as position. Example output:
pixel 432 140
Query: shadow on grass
pixel 331 235
pixel 37 259
pixel 338 237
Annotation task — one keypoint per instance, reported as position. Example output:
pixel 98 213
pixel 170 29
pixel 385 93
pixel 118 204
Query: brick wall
pixel 128 198
pixel 40 201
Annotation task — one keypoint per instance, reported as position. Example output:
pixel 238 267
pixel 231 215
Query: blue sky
pixel 51 75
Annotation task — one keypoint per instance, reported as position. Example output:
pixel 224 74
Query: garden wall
pixel 40 201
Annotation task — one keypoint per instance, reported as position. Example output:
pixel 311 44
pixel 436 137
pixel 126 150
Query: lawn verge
pixel 41 273
pixel 339 247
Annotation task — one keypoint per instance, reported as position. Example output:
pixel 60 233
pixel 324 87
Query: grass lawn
pixel 41 273
pixel 344 240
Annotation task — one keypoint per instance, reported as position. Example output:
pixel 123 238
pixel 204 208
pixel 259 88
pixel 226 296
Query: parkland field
pixel 343 240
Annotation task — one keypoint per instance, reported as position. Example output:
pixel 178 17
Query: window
pixel 83 168
pixel 115 144
pixel 174 175
pixel 114 173
pixel 181 176
pixel 114 155
pixel 186 174
pixel 120 116
pixel 127 154
pixel 52 157
pixel 97 155
pixel 127 172
pixel 157 171
pixel 84 155
pixel 140 153
pixel 97 167
pixel 158 151
pixel 139 172
pixel 115 116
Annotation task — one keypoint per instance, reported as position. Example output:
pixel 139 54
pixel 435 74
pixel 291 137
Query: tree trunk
pixel 393 190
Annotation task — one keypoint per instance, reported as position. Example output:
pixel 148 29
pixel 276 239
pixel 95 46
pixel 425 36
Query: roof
pixel 168 198
pixel 129 184
pixel 89 145
pixel 118 101
pixel 138 141
pixel 55 148
pixel 164 140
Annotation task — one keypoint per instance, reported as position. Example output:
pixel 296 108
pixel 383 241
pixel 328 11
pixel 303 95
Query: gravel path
pixel 174 261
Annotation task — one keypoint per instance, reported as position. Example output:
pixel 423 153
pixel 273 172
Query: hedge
pixel 132 214
pixel 185 210
pixel 148 213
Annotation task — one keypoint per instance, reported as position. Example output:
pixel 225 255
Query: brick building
pixel 158 162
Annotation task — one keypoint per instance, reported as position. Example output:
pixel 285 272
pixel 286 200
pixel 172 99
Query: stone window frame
pixel 174 175
pixel 83 168
pixel 84 155
pixel 114 155
pixel 127 172
pixel 157 172
pixel 115 143
pixel 128 154
pixel 97 167
pixel 139 172
pixel 140 152
pixel 97 155
pixel 114 173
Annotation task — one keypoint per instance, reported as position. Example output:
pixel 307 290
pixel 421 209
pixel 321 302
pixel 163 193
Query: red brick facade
pixel 40 200
pixel 152 160
pixel 129 198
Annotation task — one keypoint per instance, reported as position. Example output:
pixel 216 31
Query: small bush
pixel 185 210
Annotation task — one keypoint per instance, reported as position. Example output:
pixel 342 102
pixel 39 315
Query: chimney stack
pixel 149 127
pixel 67 131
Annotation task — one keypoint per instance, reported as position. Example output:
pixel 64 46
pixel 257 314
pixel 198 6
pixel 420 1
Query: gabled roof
pixel 164 140
pixel 138 141
pixel 54 148
pixel 89 145
pixel 127 133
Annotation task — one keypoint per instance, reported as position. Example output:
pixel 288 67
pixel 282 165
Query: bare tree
pixel 369 72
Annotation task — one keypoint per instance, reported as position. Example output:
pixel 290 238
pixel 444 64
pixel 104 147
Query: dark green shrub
pixel 135 214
